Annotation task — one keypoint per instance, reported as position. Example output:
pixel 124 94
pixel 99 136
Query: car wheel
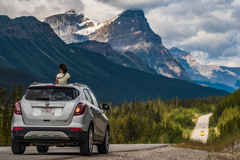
pixel 42 149
pixel 103 149
pixel 86 147
pixel 17 148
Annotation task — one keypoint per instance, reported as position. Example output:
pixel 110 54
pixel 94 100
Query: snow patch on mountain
pixel 88 30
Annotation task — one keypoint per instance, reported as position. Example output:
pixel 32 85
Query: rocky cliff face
pixel 128 31
pixel 127 59
pixel 226 78
pixel 72 27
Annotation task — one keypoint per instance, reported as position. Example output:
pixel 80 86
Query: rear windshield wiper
pixel 42 98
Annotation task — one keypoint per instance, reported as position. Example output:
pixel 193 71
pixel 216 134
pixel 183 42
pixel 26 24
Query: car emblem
pixel 47 104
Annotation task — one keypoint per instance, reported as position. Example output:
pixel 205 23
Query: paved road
pixel 202 121
pixel 69 152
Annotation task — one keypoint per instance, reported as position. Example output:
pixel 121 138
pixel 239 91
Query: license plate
pixel 47 110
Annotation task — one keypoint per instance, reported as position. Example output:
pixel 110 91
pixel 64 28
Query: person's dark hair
pixel 63 67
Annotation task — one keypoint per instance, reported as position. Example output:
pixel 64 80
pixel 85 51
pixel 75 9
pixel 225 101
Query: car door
pixel 91 105
pixel 101 119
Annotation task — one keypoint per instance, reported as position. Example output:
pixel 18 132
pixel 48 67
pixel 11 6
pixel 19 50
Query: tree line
pixel 156 121
pixel 7 104
pixel 227 114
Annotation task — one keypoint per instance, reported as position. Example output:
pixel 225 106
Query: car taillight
pixel 17 108
pixel 80 109
pixel 76 129
pixel 17 128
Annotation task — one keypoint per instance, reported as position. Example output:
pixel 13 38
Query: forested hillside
pixel 157 121
pixel 227 114
pixel 10 76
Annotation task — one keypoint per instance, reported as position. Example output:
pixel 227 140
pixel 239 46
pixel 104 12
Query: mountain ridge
pixel 127 59
pixel 215 76
pixel 128 31
pixel 41 51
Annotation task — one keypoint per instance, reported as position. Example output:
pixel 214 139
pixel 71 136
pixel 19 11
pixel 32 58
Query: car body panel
pixel 61 122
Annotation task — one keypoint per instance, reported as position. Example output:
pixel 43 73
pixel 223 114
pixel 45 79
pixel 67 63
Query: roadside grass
pixel 187 132
pixel 218 144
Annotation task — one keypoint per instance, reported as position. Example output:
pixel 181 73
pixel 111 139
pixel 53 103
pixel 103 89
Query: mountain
pixel 128 31
pixel 225 78
pixel 10 76
pixel 127 59
pixel 71 26
pixel 28 45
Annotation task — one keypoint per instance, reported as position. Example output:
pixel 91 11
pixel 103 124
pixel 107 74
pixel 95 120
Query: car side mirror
pixel 105 106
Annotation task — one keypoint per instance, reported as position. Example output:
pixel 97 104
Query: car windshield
pixel 51 93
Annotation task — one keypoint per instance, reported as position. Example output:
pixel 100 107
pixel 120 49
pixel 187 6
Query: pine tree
pixel 12 99
pixel 19 93
pixel 5 129
pixel 2 96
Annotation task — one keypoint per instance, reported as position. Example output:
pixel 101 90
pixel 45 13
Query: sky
pixel 208 29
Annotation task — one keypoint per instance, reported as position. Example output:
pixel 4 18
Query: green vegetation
pixel 156 121
pixel 6 112
pixel 224 125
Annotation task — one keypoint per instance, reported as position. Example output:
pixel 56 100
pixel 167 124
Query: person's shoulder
pixel 68 75
pixel 59 75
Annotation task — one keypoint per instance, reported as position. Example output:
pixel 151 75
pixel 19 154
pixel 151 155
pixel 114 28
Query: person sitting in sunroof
pixel 63 77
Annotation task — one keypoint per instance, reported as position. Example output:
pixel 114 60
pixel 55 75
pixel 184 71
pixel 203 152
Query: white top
pixel 62 79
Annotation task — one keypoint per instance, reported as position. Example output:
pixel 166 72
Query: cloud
pixel 41 9
pixel 136 4
pixel 209 27
pixel 100 12
pixel 200 26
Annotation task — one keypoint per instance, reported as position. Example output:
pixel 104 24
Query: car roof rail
pixel 80 84
pixel 35 83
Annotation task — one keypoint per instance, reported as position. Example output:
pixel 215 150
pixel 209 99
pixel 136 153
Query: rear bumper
pixel 47 135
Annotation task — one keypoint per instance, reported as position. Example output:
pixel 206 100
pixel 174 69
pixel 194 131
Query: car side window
pixel 95 102
pixel 87 96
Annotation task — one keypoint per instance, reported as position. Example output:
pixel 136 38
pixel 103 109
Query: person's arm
pixel 68 78
pixel 57 79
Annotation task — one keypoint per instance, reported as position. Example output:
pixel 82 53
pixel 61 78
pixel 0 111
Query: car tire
pixel 17 147
pixel 86 147
pixel 103 149
pixel 42 149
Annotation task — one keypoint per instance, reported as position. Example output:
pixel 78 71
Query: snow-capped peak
pixel 90 29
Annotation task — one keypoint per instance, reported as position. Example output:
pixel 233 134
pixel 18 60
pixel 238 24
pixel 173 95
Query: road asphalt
pixel 202 121
pixel 70 152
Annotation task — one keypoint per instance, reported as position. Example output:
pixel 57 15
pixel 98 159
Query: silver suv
pixel 59 115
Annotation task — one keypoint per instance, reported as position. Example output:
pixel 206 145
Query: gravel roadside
pixel 168 153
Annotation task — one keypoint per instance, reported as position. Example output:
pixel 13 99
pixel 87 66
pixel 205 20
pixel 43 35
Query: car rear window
pixel 51 93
